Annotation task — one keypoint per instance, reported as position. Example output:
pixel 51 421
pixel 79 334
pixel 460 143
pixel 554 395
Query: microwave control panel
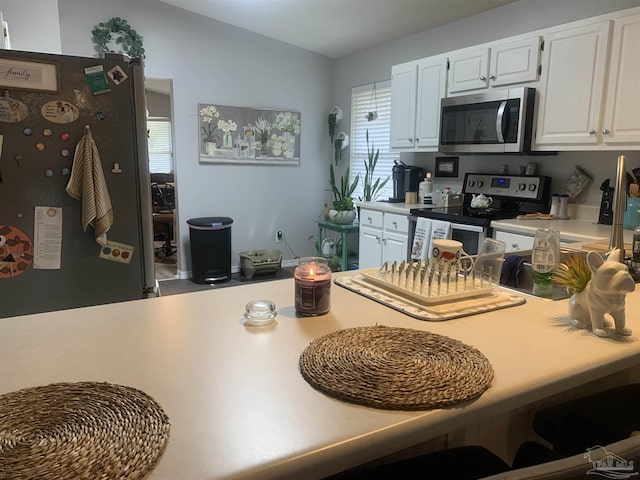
pixel 513 186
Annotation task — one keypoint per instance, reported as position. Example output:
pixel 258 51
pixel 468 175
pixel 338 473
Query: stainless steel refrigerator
pixel 47 260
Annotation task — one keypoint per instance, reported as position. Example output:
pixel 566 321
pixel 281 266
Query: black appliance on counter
pixel 606 204
pixel 512 195
pixel 406 178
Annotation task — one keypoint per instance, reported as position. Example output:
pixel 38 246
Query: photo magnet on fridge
pixel 117 75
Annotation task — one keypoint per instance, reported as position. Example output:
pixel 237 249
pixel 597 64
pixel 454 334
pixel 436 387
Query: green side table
pixel 345 231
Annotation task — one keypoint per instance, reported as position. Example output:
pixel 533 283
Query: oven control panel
pixel 515 186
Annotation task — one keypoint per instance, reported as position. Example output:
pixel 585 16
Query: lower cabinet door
pixel 370 246
pixel 394 247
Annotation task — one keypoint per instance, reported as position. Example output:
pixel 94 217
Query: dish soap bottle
pixel 544 259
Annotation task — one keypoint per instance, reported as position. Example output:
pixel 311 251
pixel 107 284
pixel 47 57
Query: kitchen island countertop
pixel 239 407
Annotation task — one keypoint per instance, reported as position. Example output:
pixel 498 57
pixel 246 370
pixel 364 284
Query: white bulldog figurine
pixel 605 293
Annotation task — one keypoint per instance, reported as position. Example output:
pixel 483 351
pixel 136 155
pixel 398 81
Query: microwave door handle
pixel 500 121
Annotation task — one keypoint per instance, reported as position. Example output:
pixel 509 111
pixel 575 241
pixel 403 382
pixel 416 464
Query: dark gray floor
pixel 177 286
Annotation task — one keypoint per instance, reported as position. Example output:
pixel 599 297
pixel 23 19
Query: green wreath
pixel 128 39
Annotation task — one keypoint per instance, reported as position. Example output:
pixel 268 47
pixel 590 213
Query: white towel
pixel 88 185
pixel 439 229
pixel 419 249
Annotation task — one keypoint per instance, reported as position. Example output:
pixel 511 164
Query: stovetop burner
pixel 511 195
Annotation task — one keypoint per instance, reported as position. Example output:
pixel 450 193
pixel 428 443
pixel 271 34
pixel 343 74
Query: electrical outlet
pixel 279 236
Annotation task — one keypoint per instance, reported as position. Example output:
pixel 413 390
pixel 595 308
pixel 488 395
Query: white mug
pixel 447 251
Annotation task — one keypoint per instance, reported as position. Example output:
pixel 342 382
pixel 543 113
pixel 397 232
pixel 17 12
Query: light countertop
pixel 388 207
pixel 239 407
pixel 570 230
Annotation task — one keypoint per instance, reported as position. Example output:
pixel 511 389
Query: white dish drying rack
pixel 432 282
pixel 433 292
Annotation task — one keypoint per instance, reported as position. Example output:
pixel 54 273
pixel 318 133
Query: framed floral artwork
pixel 243 135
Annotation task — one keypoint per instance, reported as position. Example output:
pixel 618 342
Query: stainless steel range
pixel 511 195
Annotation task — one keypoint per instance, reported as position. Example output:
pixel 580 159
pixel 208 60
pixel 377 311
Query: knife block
pixel 606 206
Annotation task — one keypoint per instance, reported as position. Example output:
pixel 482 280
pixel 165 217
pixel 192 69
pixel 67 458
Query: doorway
pixel 163 182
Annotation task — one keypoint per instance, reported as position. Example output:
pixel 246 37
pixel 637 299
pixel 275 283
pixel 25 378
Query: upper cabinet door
pixel 432 87
pixel 622 115
pixel 515 62
pixel 403 105
pixel 574 64
pixel 469 71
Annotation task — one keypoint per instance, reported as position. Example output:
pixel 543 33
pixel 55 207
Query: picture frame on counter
pixel 243 135
pixel 28 75
pixel 446 167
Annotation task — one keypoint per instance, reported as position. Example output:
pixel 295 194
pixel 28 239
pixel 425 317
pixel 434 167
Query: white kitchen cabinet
pixel 383 237
pixel 515 62
pixel 574 65
pixel 416 90
pixel 622 117
pixel 504 63
pixel 469 70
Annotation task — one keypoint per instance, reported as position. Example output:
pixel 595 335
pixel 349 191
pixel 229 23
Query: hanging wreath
pixel 129 40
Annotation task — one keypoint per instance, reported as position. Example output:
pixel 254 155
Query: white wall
pixel 211 62
pixel 33 24
pixel 374 64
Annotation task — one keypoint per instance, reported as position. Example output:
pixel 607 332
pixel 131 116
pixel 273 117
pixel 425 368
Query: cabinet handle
pixel 417 140
pixel 483 78
pixel 492 77
pixel 378 239
pixel 592 131
pixel 515 245
pixel 395 224
pixel 370 219
pixel 605 131
pixel 384 241
pixel 410 139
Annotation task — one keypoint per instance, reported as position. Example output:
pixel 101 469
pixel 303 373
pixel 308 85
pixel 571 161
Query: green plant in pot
pixel 343 211
pixel 370 188
pixel 332 125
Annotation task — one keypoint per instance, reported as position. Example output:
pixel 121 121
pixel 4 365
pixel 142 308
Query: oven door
pixel 471 236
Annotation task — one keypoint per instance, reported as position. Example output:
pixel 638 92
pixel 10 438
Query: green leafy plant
pixel 338 150
pixel 342 192
pixel 332 125
pixel 129 40
pixel 370 188
pixel 574 273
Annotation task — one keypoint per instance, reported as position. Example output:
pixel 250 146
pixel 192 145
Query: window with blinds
pixel 160 145
pixel 364 101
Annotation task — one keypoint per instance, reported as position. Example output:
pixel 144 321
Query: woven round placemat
pixel 395 368
pixel 84 430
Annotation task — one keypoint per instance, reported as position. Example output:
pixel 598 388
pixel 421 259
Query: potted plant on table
pixel 343 211
pixel 370 188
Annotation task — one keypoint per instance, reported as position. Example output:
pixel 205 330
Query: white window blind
pixel 160 145
pixel 363 102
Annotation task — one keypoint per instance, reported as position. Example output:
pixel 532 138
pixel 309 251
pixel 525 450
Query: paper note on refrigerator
pixel 47 238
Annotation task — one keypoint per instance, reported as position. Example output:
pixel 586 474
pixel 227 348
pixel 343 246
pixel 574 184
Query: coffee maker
pixel 406 178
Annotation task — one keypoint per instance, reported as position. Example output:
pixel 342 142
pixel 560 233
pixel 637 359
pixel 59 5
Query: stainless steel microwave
pixel 498 121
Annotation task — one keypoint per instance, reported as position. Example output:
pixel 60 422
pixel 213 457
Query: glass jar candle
pixel 312 279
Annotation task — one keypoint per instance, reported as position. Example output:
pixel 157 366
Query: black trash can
pixel 210 249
